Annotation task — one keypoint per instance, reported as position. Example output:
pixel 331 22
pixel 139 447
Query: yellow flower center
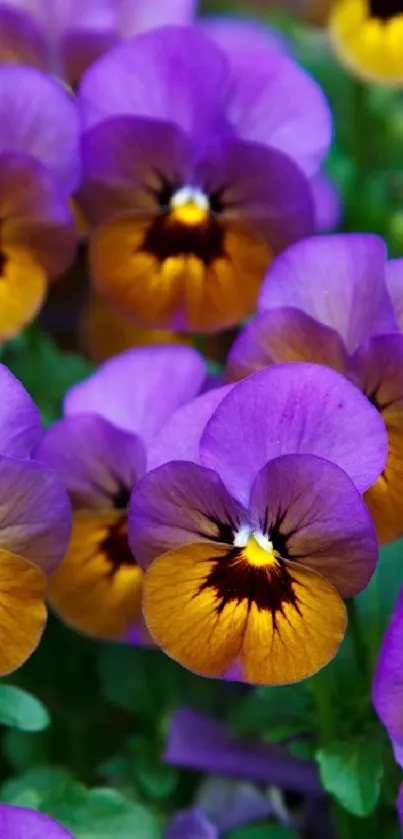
pixel 258 550
pixel 189 206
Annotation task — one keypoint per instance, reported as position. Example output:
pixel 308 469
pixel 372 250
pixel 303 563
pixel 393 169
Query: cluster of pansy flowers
pixel 225 520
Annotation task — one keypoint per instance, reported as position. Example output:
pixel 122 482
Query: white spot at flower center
pixel 245 534
pixel 190 195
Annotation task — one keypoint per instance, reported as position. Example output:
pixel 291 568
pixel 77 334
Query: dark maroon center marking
pixel 121 498
pixel 269 587
pixel 115 546
pixel 167 237
pixel 3 263
pixel 385 9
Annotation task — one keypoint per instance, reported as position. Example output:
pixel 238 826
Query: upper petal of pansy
pixel 96 462
pixel 337 279
pixel 173 61
pixel 312 514
pixel 179 438
pixel 272 100
pixel 35 513
pixel 387 691
pixel 191 824
pixel 284 335
pixel 20 422
pixel 138 390
pixel 377 369
pixel 136 16
pixel 180 503
pixel 40 118
pixel 128 163
pixel 18 822
pixel 260 185
pixel 21 39
pixel 394 282
pixel 294 409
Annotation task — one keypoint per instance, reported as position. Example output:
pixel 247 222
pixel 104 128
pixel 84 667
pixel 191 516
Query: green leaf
pixel 273 831
pixel 267 709
pixel 20 710
pixel 352 772
pixel 36 783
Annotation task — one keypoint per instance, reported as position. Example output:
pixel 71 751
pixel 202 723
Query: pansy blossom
pixel 35 521
pixel 17 822
pixel 368 37
pixel 191 194
pixel 249 554
pixel 341 316
pixel 99 453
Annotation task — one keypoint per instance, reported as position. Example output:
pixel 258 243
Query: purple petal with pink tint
pixel 272 100
pixel 179 438
pixel 284 335
pixel 198 742
pixel 20 422
pixel 327 202
pixel 387 689
pixel 122 159
pixel 35 513
pixel 191 824
pixel 159 74
pixel 180 503
pixel 21 823
pixel 97 463
pixel 394 282
pixel 40 118
pixel 137 16
pixel 339 280
pixel 141 388
pixel 294 409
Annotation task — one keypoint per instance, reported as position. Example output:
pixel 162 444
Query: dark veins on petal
pixel 234 579
pixel 385 9
pixel 115 546
pixel 168 237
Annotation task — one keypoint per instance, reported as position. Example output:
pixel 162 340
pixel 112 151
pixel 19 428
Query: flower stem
pixel 360 130
pixel 358 643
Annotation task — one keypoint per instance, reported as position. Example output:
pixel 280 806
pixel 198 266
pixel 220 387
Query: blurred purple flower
pixel 99 452
pixel 194 186
pixel 21 823
pixel 326 300
pixel 191 824
pixel 65 37
pixel 232 546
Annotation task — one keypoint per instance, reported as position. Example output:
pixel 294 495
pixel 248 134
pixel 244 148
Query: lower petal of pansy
pixel 22 610
pixel 377 368
pixel 166 274
pixel 284 335
pixel 23 286
pixel 97 588
pixel 208 607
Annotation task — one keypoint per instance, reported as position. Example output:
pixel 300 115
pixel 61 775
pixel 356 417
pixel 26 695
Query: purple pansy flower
pixel 240 547
pixel 21 823
pixel 66 36
pixel 99 451
pixel 191 199
pixel 35 521
pixel 39 167
pixel 341 316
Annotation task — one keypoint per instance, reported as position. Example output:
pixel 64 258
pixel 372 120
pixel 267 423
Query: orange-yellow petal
pixel 197 610
pixel 130 266
pixel 384 498
pixel 103 332
pixel 22 610
pixel 371 47
pixel 22 289
pixel 97 587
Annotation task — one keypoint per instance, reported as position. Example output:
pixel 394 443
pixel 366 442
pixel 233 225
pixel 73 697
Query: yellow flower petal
pixel 22 610
pixel 210 611
pixel 22 289
pixel 372 48
pixel 97 587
